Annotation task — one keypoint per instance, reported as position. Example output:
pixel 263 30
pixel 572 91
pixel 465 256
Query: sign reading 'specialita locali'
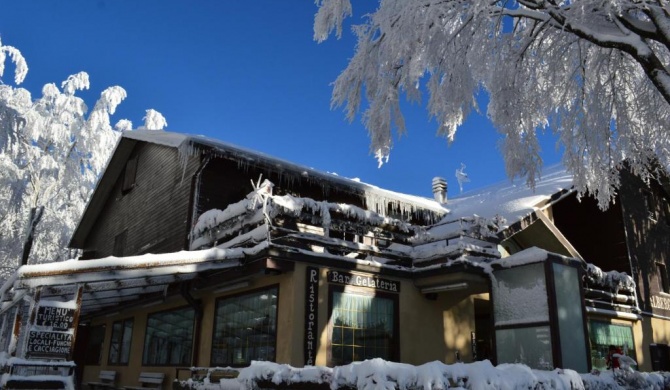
pixel 57 345
pixel 349 279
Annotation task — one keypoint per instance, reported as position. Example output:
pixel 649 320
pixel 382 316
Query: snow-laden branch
pixel 21 66
pixel 594 73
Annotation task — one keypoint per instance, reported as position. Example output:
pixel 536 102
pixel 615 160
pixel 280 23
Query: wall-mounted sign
pixel 659 302
pixel 349 279
pixel 55 345
pixel 311 314
pixel 57 318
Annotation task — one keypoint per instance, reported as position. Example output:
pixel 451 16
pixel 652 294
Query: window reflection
pixel 169 338
pixel 245 328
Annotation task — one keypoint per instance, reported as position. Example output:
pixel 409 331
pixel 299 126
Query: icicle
pixel 185 151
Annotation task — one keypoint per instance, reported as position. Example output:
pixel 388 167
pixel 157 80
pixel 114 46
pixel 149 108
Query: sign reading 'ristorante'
pixel 349 279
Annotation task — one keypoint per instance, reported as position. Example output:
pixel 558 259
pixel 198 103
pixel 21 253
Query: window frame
pixel 193 337
pixel 236 295
pixel 111 341
pixel 394 349
pixel 129 179
pixel 632 352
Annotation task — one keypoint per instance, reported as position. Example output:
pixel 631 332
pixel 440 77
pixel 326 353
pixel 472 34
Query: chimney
pixel 440 189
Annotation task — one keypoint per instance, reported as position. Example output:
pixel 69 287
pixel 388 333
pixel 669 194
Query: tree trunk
pixel 35 216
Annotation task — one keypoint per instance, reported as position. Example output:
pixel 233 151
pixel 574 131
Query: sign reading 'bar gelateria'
pixel 349 279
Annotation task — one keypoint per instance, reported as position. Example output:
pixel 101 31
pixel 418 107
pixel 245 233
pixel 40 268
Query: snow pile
pixel 377 374
pixel 613 280
pixel 211 219
pixel 215 224
pixel 11 369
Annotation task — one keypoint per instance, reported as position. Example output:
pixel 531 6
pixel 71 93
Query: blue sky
pixel 245 72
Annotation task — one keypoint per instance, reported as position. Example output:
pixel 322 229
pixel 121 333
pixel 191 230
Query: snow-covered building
pixel 201 253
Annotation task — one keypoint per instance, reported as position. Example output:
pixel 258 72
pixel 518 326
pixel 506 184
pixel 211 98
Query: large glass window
pixel 530 346
pixel 602 335
pixel 363 327
pixel 119 348
pixel 245 328
pixel 169 338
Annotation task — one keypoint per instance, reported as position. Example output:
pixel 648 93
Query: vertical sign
pixel 311 314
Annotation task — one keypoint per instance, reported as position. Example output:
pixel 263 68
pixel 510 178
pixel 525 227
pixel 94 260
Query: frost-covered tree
pixel 51 155
pixel 594 72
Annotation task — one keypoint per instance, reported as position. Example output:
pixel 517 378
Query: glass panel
pixel 245 328
pixel 603 335
pixel 115 345
pixel 530 346
pixel 366 327
pixel 125 341
pixel 119 348
pixel 569 315
pixel 520 295
pixel 169 338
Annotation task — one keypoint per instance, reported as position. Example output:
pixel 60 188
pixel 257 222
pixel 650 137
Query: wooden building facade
pixel 200 253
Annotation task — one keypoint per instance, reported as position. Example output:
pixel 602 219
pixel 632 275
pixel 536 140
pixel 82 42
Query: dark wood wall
pixel 155 212
pixel 597 235
pixel 156 215
pixel 225 181
pixel 647 219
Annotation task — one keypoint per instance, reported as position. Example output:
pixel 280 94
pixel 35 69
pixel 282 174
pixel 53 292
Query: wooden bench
pixel 106 380
pixel 148 380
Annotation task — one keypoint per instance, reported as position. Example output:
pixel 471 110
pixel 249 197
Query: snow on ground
pixel 377 374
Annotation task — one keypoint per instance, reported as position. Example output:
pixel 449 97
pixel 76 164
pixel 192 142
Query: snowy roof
pixel 184 141
pixel 113 280
pixel 511 200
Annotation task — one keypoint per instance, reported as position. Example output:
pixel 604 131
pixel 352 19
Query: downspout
pixel 195 195
pixel 196 304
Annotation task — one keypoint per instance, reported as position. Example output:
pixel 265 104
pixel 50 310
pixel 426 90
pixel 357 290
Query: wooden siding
pixel 647 221
pixel 155 212
pixel 225 181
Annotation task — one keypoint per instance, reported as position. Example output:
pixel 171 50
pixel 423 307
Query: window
pixel 602 335
pixel 130 174
pixel 245 328
pixel 120 243
pixel 650 203
pixel 96 338
pixel 662 275
pixel 362 327
pixel 119 347
pixel 169 338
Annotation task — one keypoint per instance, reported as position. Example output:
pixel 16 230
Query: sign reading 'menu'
pixel 53 330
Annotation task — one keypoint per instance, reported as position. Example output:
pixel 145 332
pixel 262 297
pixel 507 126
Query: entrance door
pixel 660 357
pixel 481 340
